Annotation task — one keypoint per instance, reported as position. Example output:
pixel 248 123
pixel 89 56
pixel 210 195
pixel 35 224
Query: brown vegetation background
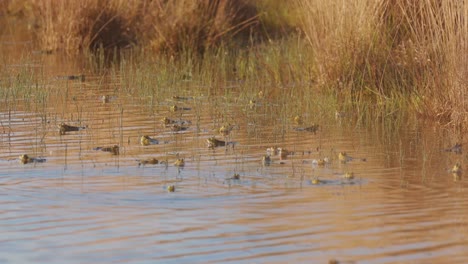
pixel 398 52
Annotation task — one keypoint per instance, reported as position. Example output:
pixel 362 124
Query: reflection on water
pixel 83 205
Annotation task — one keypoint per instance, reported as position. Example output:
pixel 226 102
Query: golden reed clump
pixel 392 52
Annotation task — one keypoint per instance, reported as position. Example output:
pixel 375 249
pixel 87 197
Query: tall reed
pixel 414 52
pixel 164 26
pixel 79 25
pixel 372 54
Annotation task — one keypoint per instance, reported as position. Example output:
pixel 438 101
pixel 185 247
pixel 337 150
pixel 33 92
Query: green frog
pixel 343 157
pixel 348 176
pixel 298 120
pixel 316 181
pixel 147 140
pixel 168 121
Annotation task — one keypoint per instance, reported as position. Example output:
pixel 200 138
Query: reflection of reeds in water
pixel 403 181
pixel 121 126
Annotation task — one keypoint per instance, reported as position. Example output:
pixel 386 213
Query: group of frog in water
pixel 145 140
pixel 213 142
pixel 282 153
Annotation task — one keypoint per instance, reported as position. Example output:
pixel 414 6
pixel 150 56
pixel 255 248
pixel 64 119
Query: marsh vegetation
pixel 389 54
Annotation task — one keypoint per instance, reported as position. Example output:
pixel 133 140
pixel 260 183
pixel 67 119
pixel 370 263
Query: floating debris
pixel 26 159
pixel 213 142
pixel 147 140
pixel 114 149
pixel 456 149
pixel 63 128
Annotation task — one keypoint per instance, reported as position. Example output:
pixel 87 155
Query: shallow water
pixel 84 205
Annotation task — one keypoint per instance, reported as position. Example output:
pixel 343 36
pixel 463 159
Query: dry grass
pixel 75 26
pixel 198 25
pixel 164 26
